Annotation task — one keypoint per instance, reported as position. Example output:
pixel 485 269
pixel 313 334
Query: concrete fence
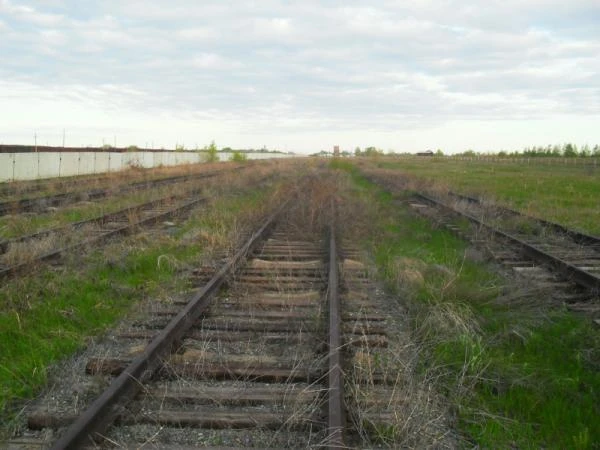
pixel 32 166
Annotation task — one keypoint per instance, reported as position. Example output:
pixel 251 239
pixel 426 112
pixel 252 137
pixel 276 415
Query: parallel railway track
pixel 573 256
pixel 576 236
pixel 38 204
pixel 93 231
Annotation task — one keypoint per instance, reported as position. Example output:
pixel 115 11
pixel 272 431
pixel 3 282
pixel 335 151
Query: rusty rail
pixel 4 245
pixel 336 387
pixel 31 204
pixel 56 253
pixel 575 236
pixel 105 409
pixel 567 270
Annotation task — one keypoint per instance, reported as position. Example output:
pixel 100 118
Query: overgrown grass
pixel 22 224
pixel 519 373
pixel 564 194
pixel 49 315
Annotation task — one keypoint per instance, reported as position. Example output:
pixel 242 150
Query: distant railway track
pixel 93 231
pixel 38 204
pixel 8 189
pixel 575 257
pixel 19 188
pixel 285 356
pixel 576 236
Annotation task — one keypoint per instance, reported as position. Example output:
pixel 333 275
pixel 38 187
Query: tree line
pixel 567 150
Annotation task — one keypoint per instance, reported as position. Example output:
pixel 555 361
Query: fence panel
pixel 7 161
pixel 31 166
pixel 49 164
pixel 70 164
pixel 87 163
pixel 26 166
pixel 101 163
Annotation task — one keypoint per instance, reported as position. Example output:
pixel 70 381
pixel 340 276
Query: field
pixel 486 354
pixel 566 194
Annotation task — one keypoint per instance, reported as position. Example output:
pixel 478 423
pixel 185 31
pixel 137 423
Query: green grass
pixel 566 194
pixel 518 376
pixel 46 317
pixel 56 313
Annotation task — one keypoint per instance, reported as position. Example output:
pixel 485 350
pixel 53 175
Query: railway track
pixel 40 204
pixel 18 188
pixel 285 346
pixel 50 245
pixel 478 208
pixel 555 256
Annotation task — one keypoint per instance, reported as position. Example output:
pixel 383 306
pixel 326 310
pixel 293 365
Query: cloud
pixel 198 34
pixel 212 61
pixel 29 14
pixel 275 68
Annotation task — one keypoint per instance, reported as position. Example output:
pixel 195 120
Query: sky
pixel 301 76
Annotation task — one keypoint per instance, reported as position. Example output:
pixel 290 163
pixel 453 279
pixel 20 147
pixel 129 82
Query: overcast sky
pixel 301 76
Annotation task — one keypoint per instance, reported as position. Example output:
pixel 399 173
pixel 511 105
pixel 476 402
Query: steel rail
pixel 335 435
pixel 94 220
pixel 52 254
pixel 30 204
pixel 567 270
pixel 576 236
pixel 105 409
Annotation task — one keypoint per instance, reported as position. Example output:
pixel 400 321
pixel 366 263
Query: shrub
pixel 239 157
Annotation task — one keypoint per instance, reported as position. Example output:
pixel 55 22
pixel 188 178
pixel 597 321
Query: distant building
pixel 425 153
pixel 336 151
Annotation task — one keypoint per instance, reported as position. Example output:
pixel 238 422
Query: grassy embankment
pixel 552 192
pixel 47 316
pixel 516 372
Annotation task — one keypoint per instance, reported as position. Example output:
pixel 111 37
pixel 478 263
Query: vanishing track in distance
pixel 283 347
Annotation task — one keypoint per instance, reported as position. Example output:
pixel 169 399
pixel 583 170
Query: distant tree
pixel 357 151
pixel 569 150
pixel 439 152
pixel 555 151
pixel 211 152
pixel 239 156
pixel 372 151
